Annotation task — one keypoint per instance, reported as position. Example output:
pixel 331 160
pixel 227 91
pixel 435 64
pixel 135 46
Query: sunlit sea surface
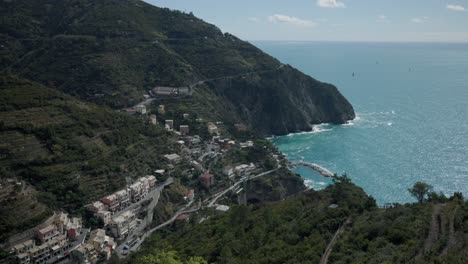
pixel 411 102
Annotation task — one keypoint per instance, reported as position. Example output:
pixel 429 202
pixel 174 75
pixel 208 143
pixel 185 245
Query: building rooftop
pixel 172 156
pixel 206 175
pixel 111 197
pixel 222 208
pixel 121 192
pixel 47 229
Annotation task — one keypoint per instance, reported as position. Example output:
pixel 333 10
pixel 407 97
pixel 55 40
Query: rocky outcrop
pixel 283 101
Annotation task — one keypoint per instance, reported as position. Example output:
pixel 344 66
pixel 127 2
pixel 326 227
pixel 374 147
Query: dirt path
pixel 452 240
pixel 434 231
pixel 328 250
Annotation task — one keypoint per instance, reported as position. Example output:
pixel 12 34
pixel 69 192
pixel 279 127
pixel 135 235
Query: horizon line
pixel 363 41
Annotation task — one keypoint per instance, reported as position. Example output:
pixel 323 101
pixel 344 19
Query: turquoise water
pixel 412 106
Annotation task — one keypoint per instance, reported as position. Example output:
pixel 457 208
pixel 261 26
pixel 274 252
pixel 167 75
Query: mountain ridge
pixel 112 52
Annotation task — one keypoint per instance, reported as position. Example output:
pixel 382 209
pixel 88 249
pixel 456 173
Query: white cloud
pixel 254 19
pixel 330 4
pixel 420 20
pixel 383 19
pixel 277 18
pixel 455 7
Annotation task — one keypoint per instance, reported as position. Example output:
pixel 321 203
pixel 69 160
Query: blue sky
pixel 333 20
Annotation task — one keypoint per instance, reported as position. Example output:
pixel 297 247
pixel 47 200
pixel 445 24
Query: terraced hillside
pixel 113 51
pixel 69 150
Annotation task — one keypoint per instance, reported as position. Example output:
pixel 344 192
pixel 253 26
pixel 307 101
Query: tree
pixel 420 190
pixel 168 257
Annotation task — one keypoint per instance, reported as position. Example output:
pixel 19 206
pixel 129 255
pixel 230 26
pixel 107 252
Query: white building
pixel 228 171
pixel 184 130
pixel 212 129
pixel 141 109
pixel 136 191
pixel 151 180
pixel 124 198
pixel 123 224
pixel 101 242
pixel 105 216
pixel 173 158
pixel 97 206
pixel 144 186
pixel 244 169
pixel 169 124
pixel 153 119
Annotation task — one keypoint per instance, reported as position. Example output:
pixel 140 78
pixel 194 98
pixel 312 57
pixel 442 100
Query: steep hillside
pixel 300 229
pixel 296 230
pixel 69 150
pixel 113 51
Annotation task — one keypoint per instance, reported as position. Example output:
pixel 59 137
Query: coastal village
pixel 126 216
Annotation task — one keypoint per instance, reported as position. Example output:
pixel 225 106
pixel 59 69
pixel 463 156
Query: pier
pixel 324 172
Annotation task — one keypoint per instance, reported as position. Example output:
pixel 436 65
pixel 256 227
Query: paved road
pixel 144 102
pixel 185 210
pixel 235 185
pixel 198 83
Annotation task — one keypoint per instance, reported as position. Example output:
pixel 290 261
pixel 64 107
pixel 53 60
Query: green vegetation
pixel 296 230
pixel 417 233
pixel 420 190
pixel 299 229
pixel 168 258
pixel 112 52
pixel 70 151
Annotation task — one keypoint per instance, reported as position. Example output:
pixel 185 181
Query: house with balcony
pixel 122 225
pixel 105 216
pixel 124 198
pixel 112 202
pixel 151 180
pixel 136 190
pixel 47 233
pixel 144 186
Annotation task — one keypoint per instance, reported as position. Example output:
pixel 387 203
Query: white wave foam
pixel 309 183
pixel 315 130
pixel 389 124
pixel 354 121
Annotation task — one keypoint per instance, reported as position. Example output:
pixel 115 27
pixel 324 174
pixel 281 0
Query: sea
pixel 411 101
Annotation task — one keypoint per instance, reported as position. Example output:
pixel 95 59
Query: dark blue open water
pixel 412 106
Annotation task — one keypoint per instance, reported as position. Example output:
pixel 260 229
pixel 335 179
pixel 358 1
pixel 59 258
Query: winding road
pixel 185 210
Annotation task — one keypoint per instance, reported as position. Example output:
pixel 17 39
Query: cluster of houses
pixel 98 248
pixel 241 170
pixel 184 130
pixel 109 209
pixel 52 241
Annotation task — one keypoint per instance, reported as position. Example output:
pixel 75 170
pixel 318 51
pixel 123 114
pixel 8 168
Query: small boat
pixel 353 74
